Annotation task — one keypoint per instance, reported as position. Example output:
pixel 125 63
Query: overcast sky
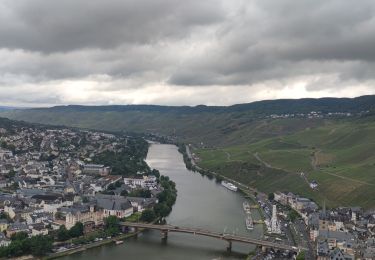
pixel 184 52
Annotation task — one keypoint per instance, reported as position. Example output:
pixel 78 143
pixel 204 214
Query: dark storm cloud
pixel 277 39
pixel 55 26
pixel 116 46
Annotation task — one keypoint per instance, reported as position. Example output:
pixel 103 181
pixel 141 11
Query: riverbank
pixel 249 192
pixel 89 246
pixel 83 248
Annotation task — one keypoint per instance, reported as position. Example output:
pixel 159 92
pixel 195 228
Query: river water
pixel 201 203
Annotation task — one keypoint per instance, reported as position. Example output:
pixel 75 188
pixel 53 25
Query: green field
pixel 339 156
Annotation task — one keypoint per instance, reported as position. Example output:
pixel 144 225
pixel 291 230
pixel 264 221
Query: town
pixel 60 184
pixel 338 233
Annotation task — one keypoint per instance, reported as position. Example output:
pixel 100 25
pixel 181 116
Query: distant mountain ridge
pixel 211 125
pixel 358 104
pixel 6 108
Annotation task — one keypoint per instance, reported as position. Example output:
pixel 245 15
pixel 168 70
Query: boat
pixel 119 242
pixel 229 186
pixel 246 207
pixel 249 222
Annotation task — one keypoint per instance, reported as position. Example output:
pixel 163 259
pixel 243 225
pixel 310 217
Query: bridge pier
pixel 229 247
pixel 136 232
pixel 164 234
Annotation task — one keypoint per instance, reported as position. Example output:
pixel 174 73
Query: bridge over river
pixel 196 231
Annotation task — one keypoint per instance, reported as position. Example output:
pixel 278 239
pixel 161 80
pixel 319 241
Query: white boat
pixel 119 242
pixel 229 186
pixel 246 207
pixel 249 222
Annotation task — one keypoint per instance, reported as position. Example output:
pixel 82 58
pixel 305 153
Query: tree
pixel 112 225
pixel 111 187
pixel 124 193
pixel 59 215
pixel 301 256
pixel 156 173
pixel 4 215
pixel 162 209
pixel 271 196
pixel 111 221
pixel 140 193
pixel 19 236
pixel 293 215
pixel 62 233
pixel 148 215
pixel 76 230
pixel 21 245
pixel 40 245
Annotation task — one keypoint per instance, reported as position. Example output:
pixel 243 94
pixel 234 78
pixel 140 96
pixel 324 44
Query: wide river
pixel 201 203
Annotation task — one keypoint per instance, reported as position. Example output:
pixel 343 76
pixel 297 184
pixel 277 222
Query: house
pixel 37 217
pixel 313 185
pixel 5 154
pixel 16 227
pixel 3 225
pixel 96 169
pixel 336 239
pixel 4 241
pixel 147 182
pixel 137 181
pixel 140 204
pixel 337 254
pixel 369 253
pixel 114 205
pixel 38 229
pixel 304 203
pixel 83 214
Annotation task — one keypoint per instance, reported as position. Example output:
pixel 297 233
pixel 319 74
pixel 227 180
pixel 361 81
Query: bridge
pixel 165 229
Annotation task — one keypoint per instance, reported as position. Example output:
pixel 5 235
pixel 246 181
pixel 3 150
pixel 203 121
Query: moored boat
pixel 249 222
pixel 229 186
pixel 246 207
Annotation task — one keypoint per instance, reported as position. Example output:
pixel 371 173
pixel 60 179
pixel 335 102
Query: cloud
pixel 184 52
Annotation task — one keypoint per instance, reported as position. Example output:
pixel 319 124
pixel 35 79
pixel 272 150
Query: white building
pixel 144 181
pixel 275 224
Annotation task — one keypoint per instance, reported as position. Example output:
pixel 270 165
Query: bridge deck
pixel 202 232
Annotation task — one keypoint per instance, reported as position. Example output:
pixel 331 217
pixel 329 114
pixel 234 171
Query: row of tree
pixel 21 244
pixel 166 198
pixel 76 231
pixel 187 160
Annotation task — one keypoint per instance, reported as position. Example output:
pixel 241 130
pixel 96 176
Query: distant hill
pixel 5 108
pixel 212 125
pixel 264 107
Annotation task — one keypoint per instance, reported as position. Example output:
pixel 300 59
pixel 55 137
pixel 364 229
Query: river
pixel 201 203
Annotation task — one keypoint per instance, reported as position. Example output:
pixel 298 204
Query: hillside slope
pixel 214 126
pixel 339 156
